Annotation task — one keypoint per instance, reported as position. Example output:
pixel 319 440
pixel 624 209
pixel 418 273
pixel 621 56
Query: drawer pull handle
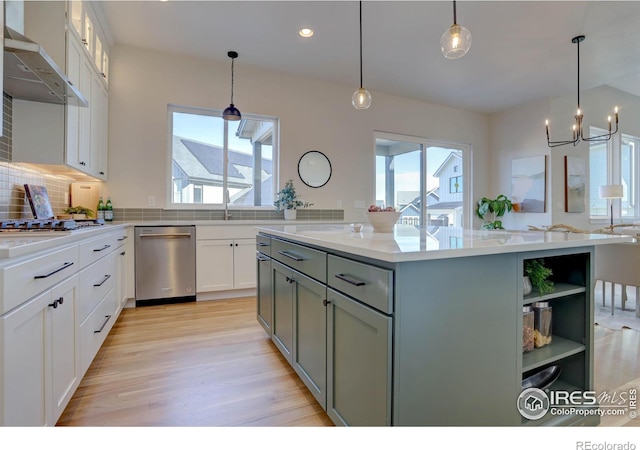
pixel 64 266
pixel 168 235
pixel 103 325
pixel 106 246
pixel 290 280
pixel 106 277
pixel 261 259
pixel 262 244
pixel 343 277
pixel 122 238
pixel 56 302
pixel 123 253
pixel 289 255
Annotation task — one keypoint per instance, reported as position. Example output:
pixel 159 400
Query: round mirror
pixel 314 169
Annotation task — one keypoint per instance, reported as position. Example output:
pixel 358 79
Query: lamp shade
pixel 231 113
pixel 611 191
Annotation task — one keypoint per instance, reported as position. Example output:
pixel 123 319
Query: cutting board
pixel 86 194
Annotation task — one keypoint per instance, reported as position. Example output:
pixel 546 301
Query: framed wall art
pixel 575 184
pixel 529 184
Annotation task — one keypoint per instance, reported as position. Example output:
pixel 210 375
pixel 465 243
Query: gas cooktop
pixel 35 225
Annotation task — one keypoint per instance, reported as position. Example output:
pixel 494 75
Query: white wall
pixel 314 115
pixel 520 132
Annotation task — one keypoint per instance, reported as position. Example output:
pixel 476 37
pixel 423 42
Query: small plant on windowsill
pixel 289 200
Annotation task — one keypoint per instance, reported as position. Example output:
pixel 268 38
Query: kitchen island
pixel 424 327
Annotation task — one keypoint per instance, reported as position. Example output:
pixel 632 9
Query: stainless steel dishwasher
pixel 165 264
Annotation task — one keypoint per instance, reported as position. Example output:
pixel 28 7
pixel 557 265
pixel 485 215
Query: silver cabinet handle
pixel 262 244
pixel 289 255
pixel 160 235
pixel 261 259
pixel 64 266
pixel 103 325
pixel 355 282
pixel 123 238
pixel 106 277
pixel 106 246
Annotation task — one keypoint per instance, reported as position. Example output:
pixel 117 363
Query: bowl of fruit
pixel 382 219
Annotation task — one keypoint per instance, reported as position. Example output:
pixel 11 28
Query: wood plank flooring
pixel 211 364
pixel 191 364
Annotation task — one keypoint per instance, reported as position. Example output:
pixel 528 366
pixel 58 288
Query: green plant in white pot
pixel 289 201
pixel 489 210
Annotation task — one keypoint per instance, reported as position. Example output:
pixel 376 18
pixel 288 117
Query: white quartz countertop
pixel 408 243
pixel 13 244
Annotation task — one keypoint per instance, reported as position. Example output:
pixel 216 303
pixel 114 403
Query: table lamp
pixel 611 191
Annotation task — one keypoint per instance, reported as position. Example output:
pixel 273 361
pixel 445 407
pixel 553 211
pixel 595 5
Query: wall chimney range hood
pixel 31 74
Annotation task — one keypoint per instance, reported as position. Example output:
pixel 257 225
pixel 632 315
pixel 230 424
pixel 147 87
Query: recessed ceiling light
pixel 305 32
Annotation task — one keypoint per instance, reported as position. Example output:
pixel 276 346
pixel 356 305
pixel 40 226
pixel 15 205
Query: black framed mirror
pixel 314 169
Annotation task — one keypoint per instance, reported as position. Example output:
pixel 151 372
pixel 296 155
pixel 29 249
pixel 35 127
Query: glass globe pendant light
pixel 231 112
pixel 456 40
pixel 361 99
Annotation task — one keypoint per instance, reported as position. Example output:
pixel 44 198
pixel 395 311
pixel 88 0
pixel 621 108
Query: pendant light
pixel 361 99
pixel 456 41
pixel 578 129
pixel 231 112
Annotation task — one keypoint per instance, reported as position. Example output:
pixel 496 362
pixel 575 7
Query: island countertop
pixel 408 243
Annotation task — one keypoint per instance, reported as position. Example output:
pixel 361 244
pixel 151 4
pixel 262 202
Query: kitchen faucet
pixel 227 216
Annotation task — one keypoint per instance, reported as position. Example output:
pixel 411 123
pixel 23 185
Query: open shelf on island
pixel 559 290
pixel 558 349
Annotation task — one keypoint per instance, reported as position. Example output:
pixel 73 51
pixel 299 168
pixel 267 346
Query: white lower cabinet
pixel 225 264
pixel 57 309
pixel 40 365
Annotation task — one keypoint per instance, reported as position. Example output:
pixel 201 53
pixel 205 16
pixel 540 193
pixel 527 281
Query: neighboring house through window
pixel 412 172
pixel 214 161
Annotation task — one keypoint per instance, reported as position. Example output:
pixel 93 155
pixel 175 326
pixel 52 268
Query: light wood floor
pixel 211 364
pixel 191 364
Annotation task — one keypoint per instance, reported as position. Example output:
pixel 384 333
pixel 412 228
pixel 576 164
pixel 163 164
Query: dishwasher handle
pixel 164 235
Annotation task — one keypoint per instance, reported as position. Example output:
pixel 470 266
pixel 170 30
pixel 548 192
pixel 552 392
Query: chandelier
pixel 578 128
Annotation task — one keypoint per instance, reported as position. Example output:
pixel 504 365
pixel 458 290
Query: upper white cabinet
pixel 76 137
pixel 81 23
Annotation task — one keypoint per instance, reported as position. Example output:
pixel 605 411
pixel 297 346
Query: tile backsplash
pixel 13 203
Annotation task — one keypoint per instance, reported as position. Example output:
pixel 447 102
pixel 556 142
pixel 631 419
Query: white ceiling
pixel 521 51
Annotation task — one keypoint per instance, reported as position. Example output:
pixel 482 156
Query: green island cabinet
pixel 424 341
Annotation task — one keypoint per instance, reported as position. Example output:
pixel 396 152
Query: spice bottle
pixel 527 329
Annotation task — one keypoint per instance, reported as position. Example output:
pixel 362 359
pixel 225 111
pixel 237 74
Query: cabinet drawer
pixel 369 284
pixel 95 281
pixel 304 259
pixel 263 244
pixel 95 329
pixel 95 249
pixel 24 280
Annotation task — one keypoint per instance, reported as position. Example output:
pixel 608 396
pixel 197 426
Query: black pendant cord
pixel 455 19
pixel 232 60
pixel 361 45
pixel 578 46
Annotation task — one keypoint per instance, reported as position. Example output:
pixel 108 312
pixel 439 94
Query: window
pixel 455 183
pixel 214 161
pixel 614 162
pixel 412 172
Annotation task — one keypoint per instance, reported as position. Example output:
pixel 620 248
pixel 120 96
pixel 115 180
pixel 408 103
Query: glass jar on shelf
pixel 542 323
pixel 527 329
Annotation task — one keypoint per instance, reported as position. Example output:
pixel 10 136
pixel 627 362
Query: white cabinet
pixel 225 264
pixel 40 357
pixel 69 136
pixel 56 309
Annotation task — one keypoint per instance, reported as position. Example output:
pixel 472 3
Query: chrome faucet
pixel 227 215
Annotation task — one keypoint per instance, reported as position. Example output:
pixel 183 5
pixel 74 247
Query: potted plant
pixel 492 209
pixel 288 200
pixel 538 273
pixel 79 212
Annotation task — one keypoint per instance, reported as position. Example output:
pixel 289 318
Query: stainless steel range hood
pixel 31 74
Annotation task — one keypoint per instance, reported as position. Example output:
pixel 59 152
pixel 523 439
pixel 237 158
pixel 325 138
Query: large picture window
pixel 214 161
